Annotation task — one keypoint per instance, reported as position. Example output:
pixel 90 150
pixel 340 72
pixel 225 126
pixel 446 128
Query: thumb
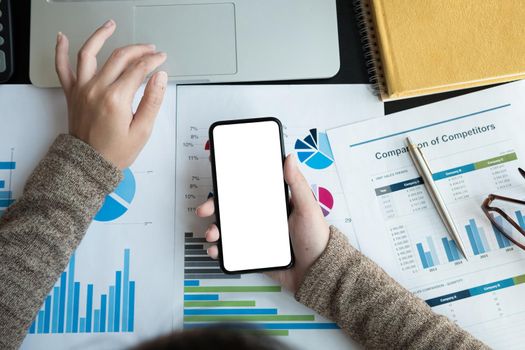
pixel 302 196
pixel 150 103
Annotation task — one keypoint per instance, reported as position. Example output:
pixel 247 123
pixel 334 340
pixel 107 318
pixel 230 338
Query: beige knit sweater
pixel 46 224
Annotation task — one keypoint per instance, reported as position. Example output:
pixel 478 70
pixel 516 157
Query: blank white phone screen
pixel 251 196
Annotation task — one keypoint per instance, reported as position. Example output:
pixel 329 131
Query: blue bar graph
pixel 40 325
pixel 191 283
pixel 125 292
pixel 62 302
pixel 32 329
pixel 201 297
pixel 7 165
pixel 56 303
pixel 103 303
pixel 450 249
pixel 521 220
pixel 62 311
pixel 301 325
pixel 433 252
pixel 6 197
pixel 131 315
pixel 430 261
pixel 503 242
pixel 89 308
pixel 111 311
pixel 47 314
pixel 6 202
pixel 75 307
pixel 422 256
pixel 477 238
pixel 70 292
pixel 428 258
pixel 118 277
pixel 189 312
pixel 96 327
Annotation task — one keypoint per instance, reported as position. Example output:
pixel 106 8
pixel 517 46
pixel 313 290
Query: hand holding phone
pixel 308 228
pixel 247 158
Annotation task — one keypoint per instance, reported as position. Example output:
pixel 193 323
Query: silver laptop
pixel 206 41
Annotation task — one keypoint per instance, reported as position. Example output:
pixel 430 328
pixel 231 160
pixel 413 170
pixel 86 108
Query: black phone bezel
pixel 216 193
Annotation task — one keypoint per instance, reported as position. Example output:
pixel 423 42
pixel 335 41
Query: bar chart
pixel 6 195
pixel 428 258
pixel 503 242
pixel 213 303
pixel 477 238
pixel 61 310
pixel 204 305
pixel 197 263
pixel 451 249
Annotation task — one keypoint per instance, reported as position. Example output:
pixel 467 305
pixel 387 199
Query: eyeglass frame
pixel 487 209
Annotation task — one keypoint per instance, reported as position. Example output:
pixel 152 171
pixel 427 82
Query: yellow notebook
pixel 419 47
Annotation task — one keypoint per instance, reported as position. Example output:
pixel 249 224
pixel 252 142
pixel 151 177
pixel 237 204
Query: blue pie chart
pixel 314 150
pixel 118 202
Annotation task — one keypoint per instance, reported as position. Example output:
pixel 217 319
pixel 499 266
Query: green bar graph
pixel 230 318
pixel 219 303
pixel 232 289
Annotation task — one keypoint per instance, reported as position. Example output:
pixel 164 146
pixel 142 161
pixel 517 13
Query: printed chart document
pixel 306 112
pixel 119 284
pixel 474 145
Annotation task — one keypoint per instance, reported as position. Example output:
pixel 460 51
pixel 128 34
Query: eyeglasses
pixel 498 222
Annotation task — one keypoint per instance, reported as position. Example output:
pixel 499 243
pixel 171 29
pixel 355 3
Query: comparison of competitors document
pixel 474 145
pixel 305 112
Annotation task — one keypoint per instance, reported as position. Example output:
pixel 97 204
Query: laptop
pixel 206 41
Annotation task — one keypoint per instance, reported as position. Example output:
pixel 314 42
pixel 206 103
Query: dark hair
pixel 219 337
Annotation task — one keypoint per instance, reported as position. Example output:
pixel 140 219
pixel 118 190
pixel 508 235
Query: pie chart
pixel 118 202
pixel 324 198
pixel 314 150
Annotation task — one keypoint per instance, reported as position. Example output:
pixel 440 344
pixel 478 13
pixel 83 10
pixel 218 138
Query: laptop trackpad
pixel 199 39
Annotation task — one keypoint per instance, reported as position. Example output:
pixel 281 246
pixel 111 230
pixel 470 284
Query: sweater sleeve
pixel 40 231
pixel 347 287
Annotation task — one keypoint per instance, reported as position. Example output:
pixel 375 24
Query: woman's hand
pixel 308 227
pixel 99 102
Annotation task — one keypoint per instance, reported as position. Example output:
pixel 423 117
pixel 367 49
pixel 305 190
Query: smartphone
pixel 251 196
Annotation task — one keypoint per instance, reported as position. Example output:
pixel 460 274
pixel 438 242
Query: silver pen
pixel 424 170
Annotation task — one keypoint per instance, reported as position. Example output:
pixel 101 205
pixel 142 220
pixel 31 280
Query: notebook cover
pixel 430 46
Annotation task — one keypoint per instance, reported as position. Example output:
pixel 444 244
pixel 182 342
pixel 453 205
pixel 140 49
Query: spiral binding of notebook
pixel 365 24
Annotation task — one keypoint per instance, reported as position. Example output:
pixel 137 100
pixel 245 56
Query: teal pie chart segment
pixel 117 203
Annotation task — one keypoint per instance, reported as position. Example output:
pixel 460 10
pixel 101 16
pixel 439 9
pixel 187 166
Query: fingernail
pixel 162 79
pixel 151 46
pixel 59 36
pixel 109 23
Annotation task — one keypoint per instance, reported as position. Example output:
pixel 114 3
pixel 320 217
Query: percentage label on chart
pixel 194 137
pixel 193 158
pixel 190 196
pixel 193 186
pixel 195 178
pixel 187 144
pixel 193 128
